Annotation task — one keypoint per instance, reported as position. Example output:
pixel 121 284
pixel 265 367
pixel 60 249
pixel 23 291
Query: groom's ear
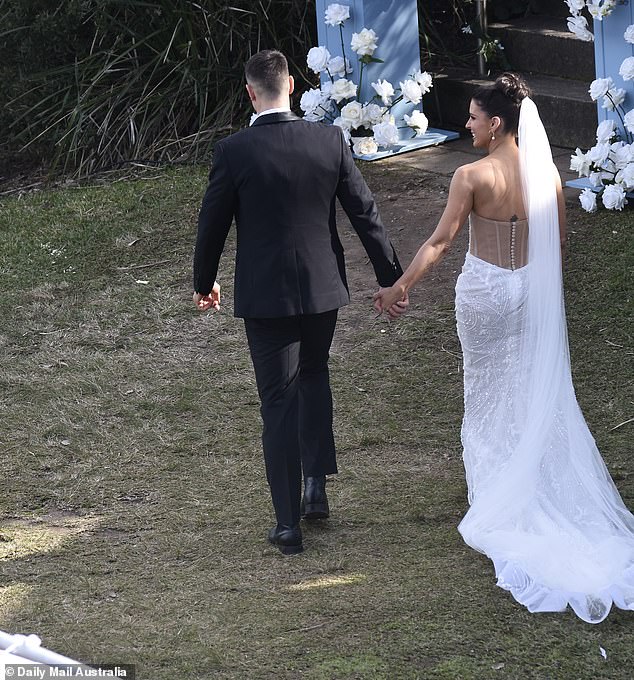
pixel 291 85
pixel 251 92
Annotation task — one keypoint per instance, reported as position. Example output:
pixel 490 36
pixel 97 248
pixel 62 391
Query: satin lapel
pixel 280 117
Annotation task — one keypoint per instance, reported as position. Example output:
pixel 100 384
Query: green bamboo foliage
pixel 140 80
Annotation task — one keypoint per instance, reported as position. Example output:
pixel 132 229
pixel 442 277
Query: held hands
pixel 210 301
pixel 391 300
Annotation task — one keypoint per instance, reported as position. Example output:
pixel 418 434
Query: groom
pixel 279 179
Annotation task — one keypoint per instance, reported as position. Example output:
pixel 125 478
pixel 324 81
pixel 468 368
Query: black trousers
pixel 290 358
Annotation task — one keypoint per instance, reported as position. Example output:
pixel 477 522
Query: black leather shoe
pixel 287 539
pixel 315 502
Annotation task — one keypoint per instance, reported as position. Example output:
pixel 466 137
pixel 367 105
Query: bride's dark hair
pixel 503 99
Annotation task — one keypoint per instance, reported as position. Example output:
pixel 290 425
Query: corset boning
pixel 502 243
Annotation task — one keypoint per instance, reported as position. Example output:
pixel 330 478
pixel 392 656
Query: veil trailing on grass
pixel 549 515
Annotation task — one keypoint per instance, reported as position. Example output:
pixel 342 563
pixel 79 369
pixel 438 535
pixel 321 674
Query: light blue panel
pixel 396 24
pixel 610 49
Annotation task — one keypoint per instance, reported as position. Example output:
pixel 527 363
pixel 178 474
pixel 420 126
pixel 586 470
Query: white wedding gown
pixel 543 507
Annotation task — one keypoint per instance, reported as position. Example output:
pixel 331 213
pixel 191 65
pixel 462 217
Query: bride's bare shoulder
pixel 475 172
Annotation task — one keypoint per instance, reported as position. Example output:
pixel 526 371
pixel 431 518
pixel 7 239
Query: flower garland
pixel 609 164
pixel 337 100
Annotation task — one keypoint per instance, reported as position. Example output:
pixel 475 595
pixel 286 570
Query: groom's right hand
pixel 209 301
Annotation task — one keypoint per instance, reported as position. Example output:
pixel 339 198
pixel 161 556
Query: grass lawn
pixel 134 502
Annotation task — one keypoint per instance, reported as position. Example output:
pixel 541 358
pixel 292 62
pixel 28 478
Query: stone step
pixel 568 113
pixel 542 44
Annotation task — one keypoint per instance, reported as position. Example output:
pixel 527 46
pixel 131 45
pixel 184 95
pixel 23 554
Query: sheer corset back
pixel 502 243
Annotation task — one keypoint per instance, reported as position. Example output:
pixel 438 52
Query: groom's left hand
pixel 398 308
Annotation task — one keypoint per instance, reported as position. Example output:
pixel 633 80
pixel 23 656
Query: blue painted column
pixel 610 49
pixel 396 24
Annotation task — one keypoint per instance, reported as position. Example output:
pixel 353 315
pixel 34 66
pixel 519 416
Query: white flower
pixel 385 90
pixel 364 42
pixel 364 146
pixel 580 163
pixel 411 91
pixel 343 124
pixel 614 197
pixel 467 29
pixel 338 67
pixel 627 69
pixel 372 114
pixel 385 134
pixel 317 59
pixel 600 8
pixel 600 87
pixel 605 131
pixel 310 103
pixel 336 14
pixel 595 179
pixel 588 200
pixel 626 176
pixel 343 89
pixel 616 98
pixel 598 154
pixel 575 6
pixel 622 154
pixel 579 26
pixel 418 121
pixel 629 120
pixel 424 80
pixel 352 113
pixel 629 34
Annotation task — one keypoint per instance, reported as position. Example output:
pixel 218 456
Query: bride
pixel 543 506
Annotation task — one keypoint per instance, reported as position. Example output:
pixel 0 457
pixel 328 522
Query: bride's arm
pixel 459 204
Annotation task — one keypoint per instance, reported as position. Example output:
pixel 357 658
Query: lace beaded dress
pixel 551 520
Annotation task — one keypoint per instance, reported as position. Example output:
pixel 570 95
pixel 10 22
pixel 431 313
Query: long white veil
pixel 550 517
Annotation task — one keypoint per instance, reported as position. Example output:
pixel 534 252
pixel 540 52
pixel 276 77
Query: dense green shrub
pixel 89 84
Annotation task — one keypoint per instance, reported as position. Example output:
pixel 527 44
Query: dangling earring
pixel 492 136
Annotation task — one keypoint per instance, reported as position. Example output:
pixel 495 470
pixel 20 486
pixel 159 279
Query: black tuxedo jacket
pixel 279 178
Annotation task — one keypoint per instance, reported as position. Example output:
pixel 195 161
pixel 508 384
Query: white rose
pixel 629 120
pixel 629 34
pixel 595 179
pixel 575 6
pixel 343 89
pixel 337 66
pixel 622 154
pixel 580 163
pixel 424 80
pixel 614 197
pixel 626 176
pixel 588 200
pixel 598 154
pixel 317 59
pixel 411 91
pixel 343 124
pixel 353 113
pixel 385 134
pixel 312 104
pixel 364 42
pixel 336 14
pixel 605 130
pixel 372 114
pixel 385 90
pixel 627 69
pixel 614 97
pixel 365 146
pixel 418 121
pixel 600 87
pixel 579 26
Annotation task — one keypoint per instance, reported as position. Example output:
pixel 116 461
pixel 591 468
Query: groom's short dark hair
pixel 267 72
